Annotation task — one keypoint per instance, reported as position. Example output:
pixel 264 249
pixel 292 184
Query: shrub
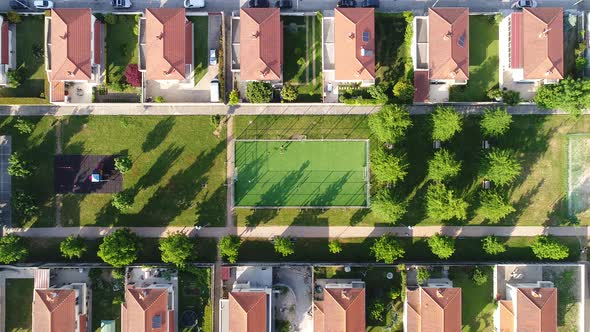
pixel 479 277
pixel 132 75
pixel 492 246
pixel 446 123
pixel 379 93
pixel 229 247
pixel 15 77
pixel 390 124
pixel 159 99
pixel 441 246
pixel 581 63
pixel 422 275
pixel 177 248
pixel 335 247
pixel 13 17
pixel 18 167
pixel 111 18
pixel 38 51
pixel 234 97
pixel 119 248
pixel 388 168
pixel 570 95
pixel 495 122
pixel 122 201
pixel 72 247
pixel 377 310
pixel 123 164
pixel 284 246
pixel 495 94
pixel 387 249
pixel 545 247
pixel 511 97
pixel 494 207
pixel 404 91
pixel 443 166
pixel 388 208
pixel 289 92
pixel 259 92
pixel 500 167
pixel 23 206
pixel 442 205
pixel 13 248
pixel 24 126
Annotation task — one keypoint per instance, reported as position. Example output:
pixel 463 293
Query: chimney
pixel 439 293
pixel 535 293
pixel 160 36
pixel 549 72
pixel 345 295
pixel 256 34
pixel 51 296
pixel 448 35
pixel 351 35
pixel 544 33
pixel 65 35
pixel 143 294
pixel 70 73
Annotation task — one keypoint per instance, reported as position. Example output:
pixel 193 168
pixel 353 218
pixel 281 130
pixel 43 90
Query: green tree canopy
pixel 24 206
pixel 479 277
pixel 334 246
pixel 390 124
pixel 18 167
pixel 500 166
pixel 259 92
pixel 289 92
pixel 443 166
pixel 119 248
pixel 545 247
pixel 234 97
pixel 177 248
pixel 422 275
pixel 229 247
pixel 284 246
pixel 13 248
pixel 404 91
pixel 24 126
pixel 387 249
pixel 442 246
pixel 122 201
pixel 495 122
pixel 123 164
pixel 446 122
pixel 72 247
pixel 387 207
pixel 441 204
pixel 387 167
pixel 493 206
pixel 492 246
pixel 570 95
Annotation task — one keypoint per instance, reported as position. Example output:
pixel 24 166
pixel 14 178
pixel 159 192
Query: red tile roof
pixel 4 46
pixel 536 309
pixel 261 44
pixel 434 309
pixel 165 43
pixel 142 306
pixel 448 43
pixel 542 39
pixel 354 57
pixel 57 91
pixel 188 42
pixel 516 40
pixel 421 86
pixel 71 56
pixel 54 310
pixel 247 311
pixel 506 316
pixel 343 310
pixel 97 41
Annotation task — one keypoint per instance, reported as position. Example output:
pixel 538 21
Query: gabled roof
pixel 434 309
pixel 448 43
pixel 165 43
pixel 71 39
pixel 542 43
pixel 354 42
pixel 145 309
pixel 261 44
pixel 506 316
pixel 4 43
pixel 343 310
pixel 54 310
pixel 536 309
pixel 247 311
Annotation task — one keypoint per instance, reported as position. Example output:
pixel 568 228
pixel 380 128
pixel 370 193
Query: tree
pixel 12 249
pixel 387 249
pixel 24 126
pixel 443 166
pixel 132 75
pixel 500 167
pixel 72 247
pixel 446 123
pixel 13 17
pixel 442 246
pixel 422 275
pixel 387 207
pixel 379 93
pixel 23 206
pixel 234 97
pixel 442 205
pixel 511 97
pixel 289 92
pixel 15 77
pixel 123 164
pixel 493 206
pixel 492 246
pixel 390 124
pixel 111 18
pixel 18 167
pixel 570 95
pixel 388 168
pixel 177 248
pixel 377 309
pixel 122 201
pixel 495 122
pixel 229 247
pixel 545 247
pixel 495 94
pixel 404 91
pixel 335 247
pixel 284 246
pixel 259 92
pixel 119 248
pixel 479 277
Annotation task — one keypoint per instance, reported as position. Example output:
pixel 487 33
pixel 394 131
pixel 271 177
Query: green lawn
pixel 29 54
pixel 194 293
pixel 393 61
pixel 201 53
pixel 301 173
pixel 302 49
pixel 477 301
pixel 178 172
pixel 19 305
pixel 483 60
pixel 121 47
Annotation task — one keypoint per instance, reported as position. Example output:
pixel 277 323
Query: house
pixel 434 307
pixel 260 45
pixel 528 307
pixel 148 308
pixel 73 54
pixel 342 307
pixel 58 309
pixel 354 44
pixel 7 58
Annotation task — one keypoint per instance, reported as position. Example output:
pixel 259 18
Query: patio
pixel 78 92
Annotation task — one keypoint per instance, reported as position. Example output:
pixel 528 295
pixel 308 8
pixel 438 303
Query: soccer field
pixel 301 173
pixel 578 161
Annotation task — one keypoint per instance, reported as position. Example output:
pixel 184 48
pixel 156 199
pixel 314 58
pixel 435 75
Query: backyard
pixel 29 55
pixel 393 33
pixel 477 301
pixel 194 294
pixel 302 49
pixel 483 60
pixel 105 299
pixel 201 53
pixel 19 296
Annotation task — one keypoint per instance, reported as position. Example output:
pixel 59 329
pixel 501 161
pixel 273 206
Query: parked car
pixel 43 4
pixel 214 89
pixel 122 4
pixel 258 3
pixel 370 4
pixel 212 57
pixel 347 3
pixel 19 4
pixel 284 4
pixel 525 4
pixel 190 4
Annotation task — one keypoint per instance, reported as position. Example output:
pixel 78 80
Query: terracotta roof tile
pixel 54 310
pixel 506 316
pixel 141 307
pixel 542 40
pixel 434 309
pixel 261 44
pixel 4 45
pixel 448 43
pixel 516 40
pixel 188 45
pixel 71 56
pixel 536 309
pixel 318 316
pixel 165 43
pixel 354 42
pixel 97 41
pixel 57 91
pixel 421 86
pixel 247 311
pixel 343 310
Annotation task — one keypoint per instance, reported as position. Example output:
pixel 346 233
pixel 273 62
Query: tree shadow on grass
pixel 158 134
pixel 211 211
pixel 160 167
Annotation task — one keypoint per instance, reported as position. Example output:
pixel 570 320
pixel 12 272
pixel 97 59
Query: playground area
pixel 578 176
pixel 86 174
pixel 301 173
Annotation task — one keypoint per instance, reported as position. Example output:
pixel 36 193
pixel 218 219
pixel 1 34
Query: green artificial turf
pixel 201 53
pixel 478 302
pixel 301 173
pixel 19 299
